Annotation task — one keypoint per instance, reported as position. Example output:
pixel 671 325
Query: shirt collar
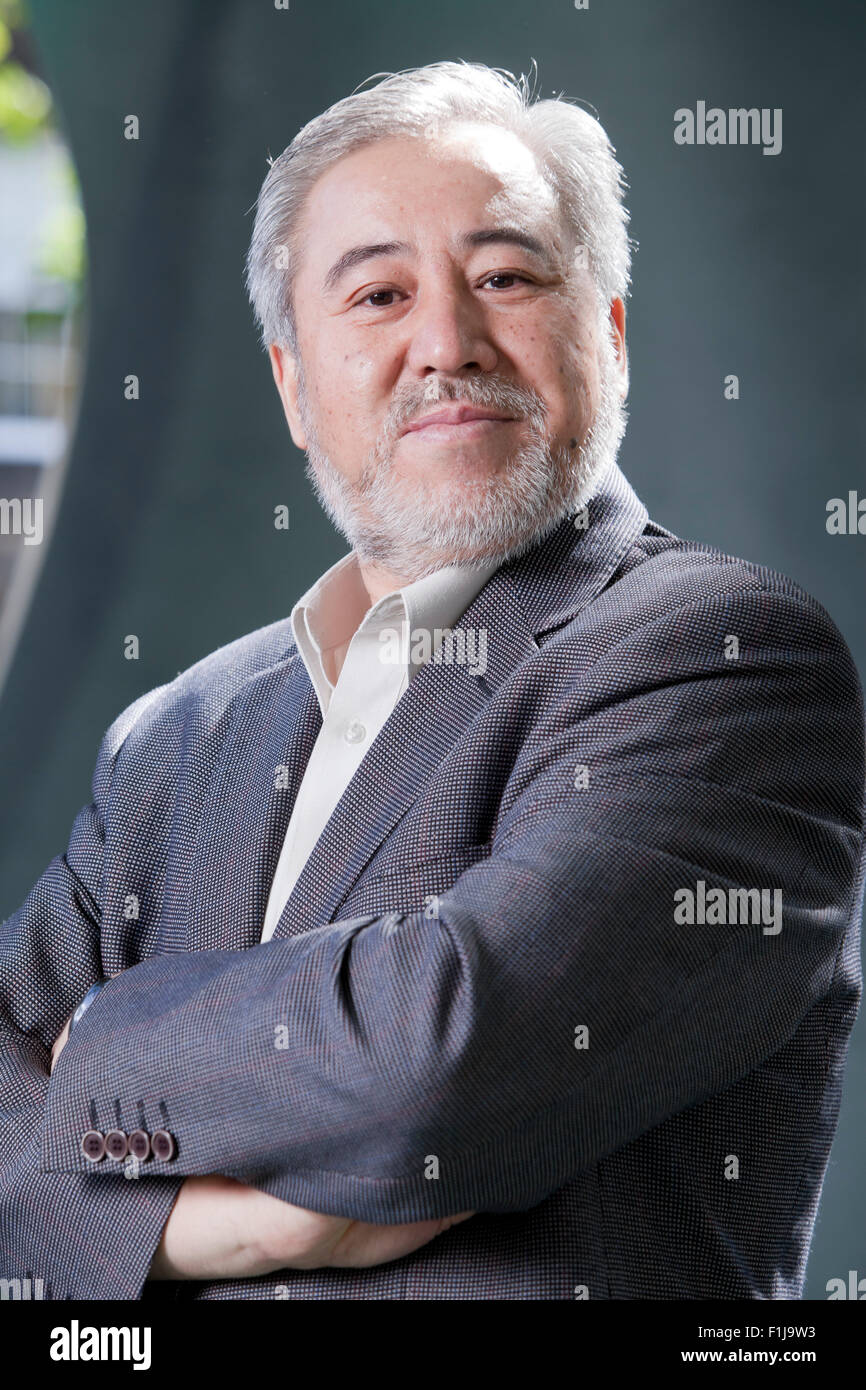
pixel 336 608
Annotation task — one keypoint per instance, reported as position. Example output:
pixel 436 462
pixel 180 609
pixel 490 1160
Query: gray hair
pixel 571 145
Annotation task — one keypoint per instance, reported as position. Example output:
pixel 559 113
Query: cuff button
pixel 139 1145
pixel 93 1146
pixel 162 1145
pixel 116 1145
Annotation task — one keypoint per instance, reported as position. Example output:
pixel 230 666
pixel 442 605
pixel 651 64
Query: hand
pixel 222 1229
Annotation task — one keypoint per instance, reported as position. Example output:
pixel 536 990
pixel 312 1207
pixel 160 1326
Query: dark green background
pixel 747 263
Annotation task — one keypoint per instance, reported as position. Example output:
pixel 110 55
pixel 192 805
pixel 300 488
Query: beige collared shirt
pixel 385 646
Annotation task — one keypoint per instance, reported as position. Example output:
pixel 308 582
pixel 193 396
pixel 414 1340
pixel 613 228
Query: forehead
pixel 419 187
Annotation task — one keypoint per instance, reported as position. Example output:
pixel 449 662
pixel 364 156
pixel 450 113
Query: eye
pixel 385 298
pixel 510 275
pixel 377 299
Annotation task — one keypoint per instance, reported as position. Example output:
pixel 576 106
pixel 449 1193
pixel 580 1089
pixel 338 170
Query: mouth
pixel 457 419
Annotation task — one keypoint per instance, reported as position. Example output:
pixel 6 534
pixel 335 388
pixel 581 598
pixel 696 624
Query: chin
pixel 447 462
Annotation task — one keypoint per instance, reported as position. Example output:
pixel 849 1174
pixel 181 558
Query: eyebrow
pixel 510 236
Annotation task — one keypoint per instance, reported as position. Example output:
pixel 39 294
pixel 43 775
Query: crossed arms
pixel 453 1038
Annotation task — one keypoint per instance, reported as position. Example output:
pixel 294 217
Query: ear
pixel 285 369
pixel 617 319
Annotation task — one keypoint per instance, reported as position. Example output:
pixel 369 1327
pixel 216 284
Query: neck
pixel 379 581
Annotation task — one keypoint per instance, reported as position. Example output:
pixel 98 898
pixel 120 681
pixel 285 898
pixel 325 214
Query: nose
pixel 449 333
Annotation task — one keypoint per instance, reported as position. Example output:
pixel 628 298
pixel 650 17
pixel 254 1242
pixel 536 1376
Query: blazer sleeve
pixel 403 1067
pixel 79 1234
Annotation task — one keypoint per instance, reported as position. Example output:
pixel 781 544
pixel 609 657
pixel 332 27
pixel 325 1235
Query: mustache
pixel 489 392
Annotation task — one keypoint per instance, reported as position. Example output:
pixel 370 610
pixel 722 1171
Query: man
pixel 487 928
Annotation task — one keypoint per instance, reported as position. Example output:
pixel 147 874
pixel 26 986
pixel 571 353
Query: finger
pixel 448 1221
pixel 365 1244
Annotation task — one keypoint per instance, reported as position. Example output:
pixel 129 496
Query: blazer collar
pixel 558 578
pixel 277 720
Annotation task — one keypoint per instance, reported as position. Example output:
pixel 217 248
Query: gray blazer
pixel 484 992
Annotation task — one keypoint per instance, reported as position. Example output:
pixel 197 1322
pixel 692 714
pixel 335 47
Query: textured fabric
pixel 386 647
pixel 501 876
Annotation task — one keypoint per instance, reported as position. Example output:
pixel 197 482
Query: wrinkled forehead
pixel 525 190
pixel 435 175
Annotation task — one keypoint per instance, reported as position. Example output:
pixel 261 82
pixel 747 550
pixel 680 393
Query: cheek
pixel 586 394
pixel 555 342
pixel 346 387
pixel 579 370
pixel 563 369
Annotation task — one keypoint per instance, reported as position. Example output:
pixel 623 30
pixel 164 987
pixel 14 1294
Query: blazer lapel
pixel 275 723
pixel 439 705
pixel 527 597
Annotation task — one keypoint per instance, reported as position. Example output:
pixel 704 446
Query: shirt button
pixel 355 731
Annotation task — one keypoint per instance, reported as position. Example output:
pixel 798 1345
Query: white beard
pixel 414 533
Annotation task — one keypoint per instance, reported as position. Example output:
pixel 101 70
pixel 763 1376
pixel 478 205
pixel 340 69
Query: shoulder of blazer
pixel 678 572
pixel 204 690
pixel 663 576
